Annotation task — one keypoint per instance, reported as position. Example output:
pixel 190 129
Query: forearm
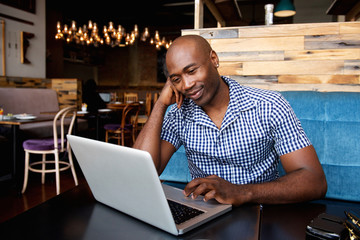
pixel 298 186
pixel 149 137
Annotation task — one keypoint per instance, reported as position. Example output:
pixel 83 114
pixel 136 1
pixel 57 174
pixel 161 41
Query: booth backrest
pixel 28 100
pixel 332 123
pixel 31 101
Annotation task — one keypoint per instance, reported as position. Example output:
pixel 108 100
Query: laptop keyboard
pixel 182 213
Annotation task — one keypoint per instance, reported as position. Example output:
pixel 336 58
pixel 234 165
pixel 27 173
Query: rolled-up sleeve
pixel 287 131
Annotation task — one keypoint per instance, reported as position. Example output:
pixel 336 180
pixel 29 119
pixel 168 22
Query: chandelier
pixel 111 36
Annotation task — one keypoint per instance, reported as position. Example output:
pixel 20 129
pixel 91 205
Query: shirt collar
pixel 239 98
pixel 239 101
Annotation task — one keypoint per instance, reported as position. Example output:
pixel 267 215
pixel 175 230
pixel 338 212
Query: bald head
pixel 196 41
pixel 185 45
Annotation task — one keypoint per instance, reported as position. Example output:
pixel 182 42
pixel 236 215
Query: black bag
pixel 326 227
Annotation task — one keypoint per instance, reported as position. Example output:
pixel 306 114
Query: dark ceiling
pixel 167 16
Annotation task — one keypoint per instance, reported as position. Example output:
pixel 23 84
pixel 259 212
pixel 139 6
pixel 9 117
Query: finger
pixel 212 177
pixel 203 189
pixel 175 92
pixel 178 98
pixel 181 99
pixel 192 185
pixel 210 195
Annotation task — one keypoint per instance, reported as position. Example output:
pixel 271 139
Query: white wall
pixel 36 51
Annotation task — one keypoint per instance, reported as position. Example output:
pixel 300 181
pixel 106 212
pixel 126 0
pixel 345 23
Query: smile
pixel 195 95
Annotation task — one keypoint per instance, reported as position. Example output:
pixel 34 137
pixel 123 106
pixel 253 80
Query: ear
pixel 214 58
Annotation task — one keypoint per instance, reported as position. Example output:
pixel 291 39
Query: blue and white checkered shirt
pixel 258 127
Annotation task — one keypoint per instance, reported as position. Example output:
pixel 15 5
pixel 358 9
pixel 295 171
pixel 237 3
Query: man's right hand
pixel 169 95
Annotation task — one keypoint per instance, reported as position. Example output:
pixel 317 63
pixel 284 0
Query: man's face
pixel 193 73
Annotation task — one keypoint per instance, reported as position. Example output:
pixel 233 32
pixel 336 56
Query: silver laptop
pixel 126 179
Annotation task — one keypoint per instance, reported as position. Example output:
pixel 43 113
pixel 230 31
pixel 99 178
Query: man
pixel 234 136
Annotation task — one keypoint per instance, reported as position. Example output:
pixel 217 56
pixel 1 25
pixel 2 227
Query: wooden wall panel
pixel 69 91
pixel 251 56
pixel 349 28
pixel 293 67
pixel 23 82
pixel 3 82
pixel 258 44
pixel 305 79
pixel 231 68
pixel 352 67
pixel 325 54
pixel 311 53
pixel 332 41
pixel 286 30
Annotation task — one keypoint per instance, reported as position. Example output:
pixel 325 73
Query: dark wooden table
pixel 75 214
pixel 116 106
pixel 289 221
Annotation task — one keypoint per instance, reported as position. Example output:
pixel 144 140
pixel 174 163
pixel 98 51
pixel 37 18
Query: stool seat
pixel 40 144
pixel 115 126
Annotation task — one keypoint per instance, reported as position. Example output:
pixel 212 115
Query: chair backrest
pixel 148 104
pixel 130 97
pixel 131 111
pixel 156 96
pixel 60 117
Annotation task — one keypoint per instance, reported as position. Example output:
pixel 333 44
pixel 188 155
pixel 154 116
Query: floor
pixel 12 202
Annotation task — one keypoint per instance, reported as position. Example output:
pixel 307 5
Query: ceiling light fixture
pixel 90 35
pixel 285 8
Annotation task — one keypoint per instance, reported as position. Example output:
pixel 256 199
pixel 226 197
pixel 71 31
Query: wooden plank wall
pixel 23 82
pixel 315 53
pixel 69 91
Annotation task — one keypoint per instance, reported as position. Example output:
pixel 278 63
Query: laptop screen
pixel 105 97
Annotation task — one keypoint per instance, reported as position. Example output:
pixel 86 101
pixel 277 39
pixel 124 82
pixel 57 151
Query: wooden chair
pixel 156 96
pixel 143 118
pixel 55 145
pixel 131 97
pixel 127 126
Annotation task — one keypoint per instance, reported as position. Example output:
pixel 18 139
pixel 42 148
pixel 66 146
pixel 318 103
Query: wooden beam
pixel 341 7
pixel 354 13
pixel 215 12
pixel 198 14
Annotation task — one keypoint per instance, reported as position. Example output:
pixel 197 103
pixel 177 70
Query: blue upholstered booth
pixel 332 122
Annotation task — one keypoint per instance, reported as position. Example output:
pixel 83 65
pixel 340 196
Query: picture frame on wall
pixel 25 44
pixel 2 48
